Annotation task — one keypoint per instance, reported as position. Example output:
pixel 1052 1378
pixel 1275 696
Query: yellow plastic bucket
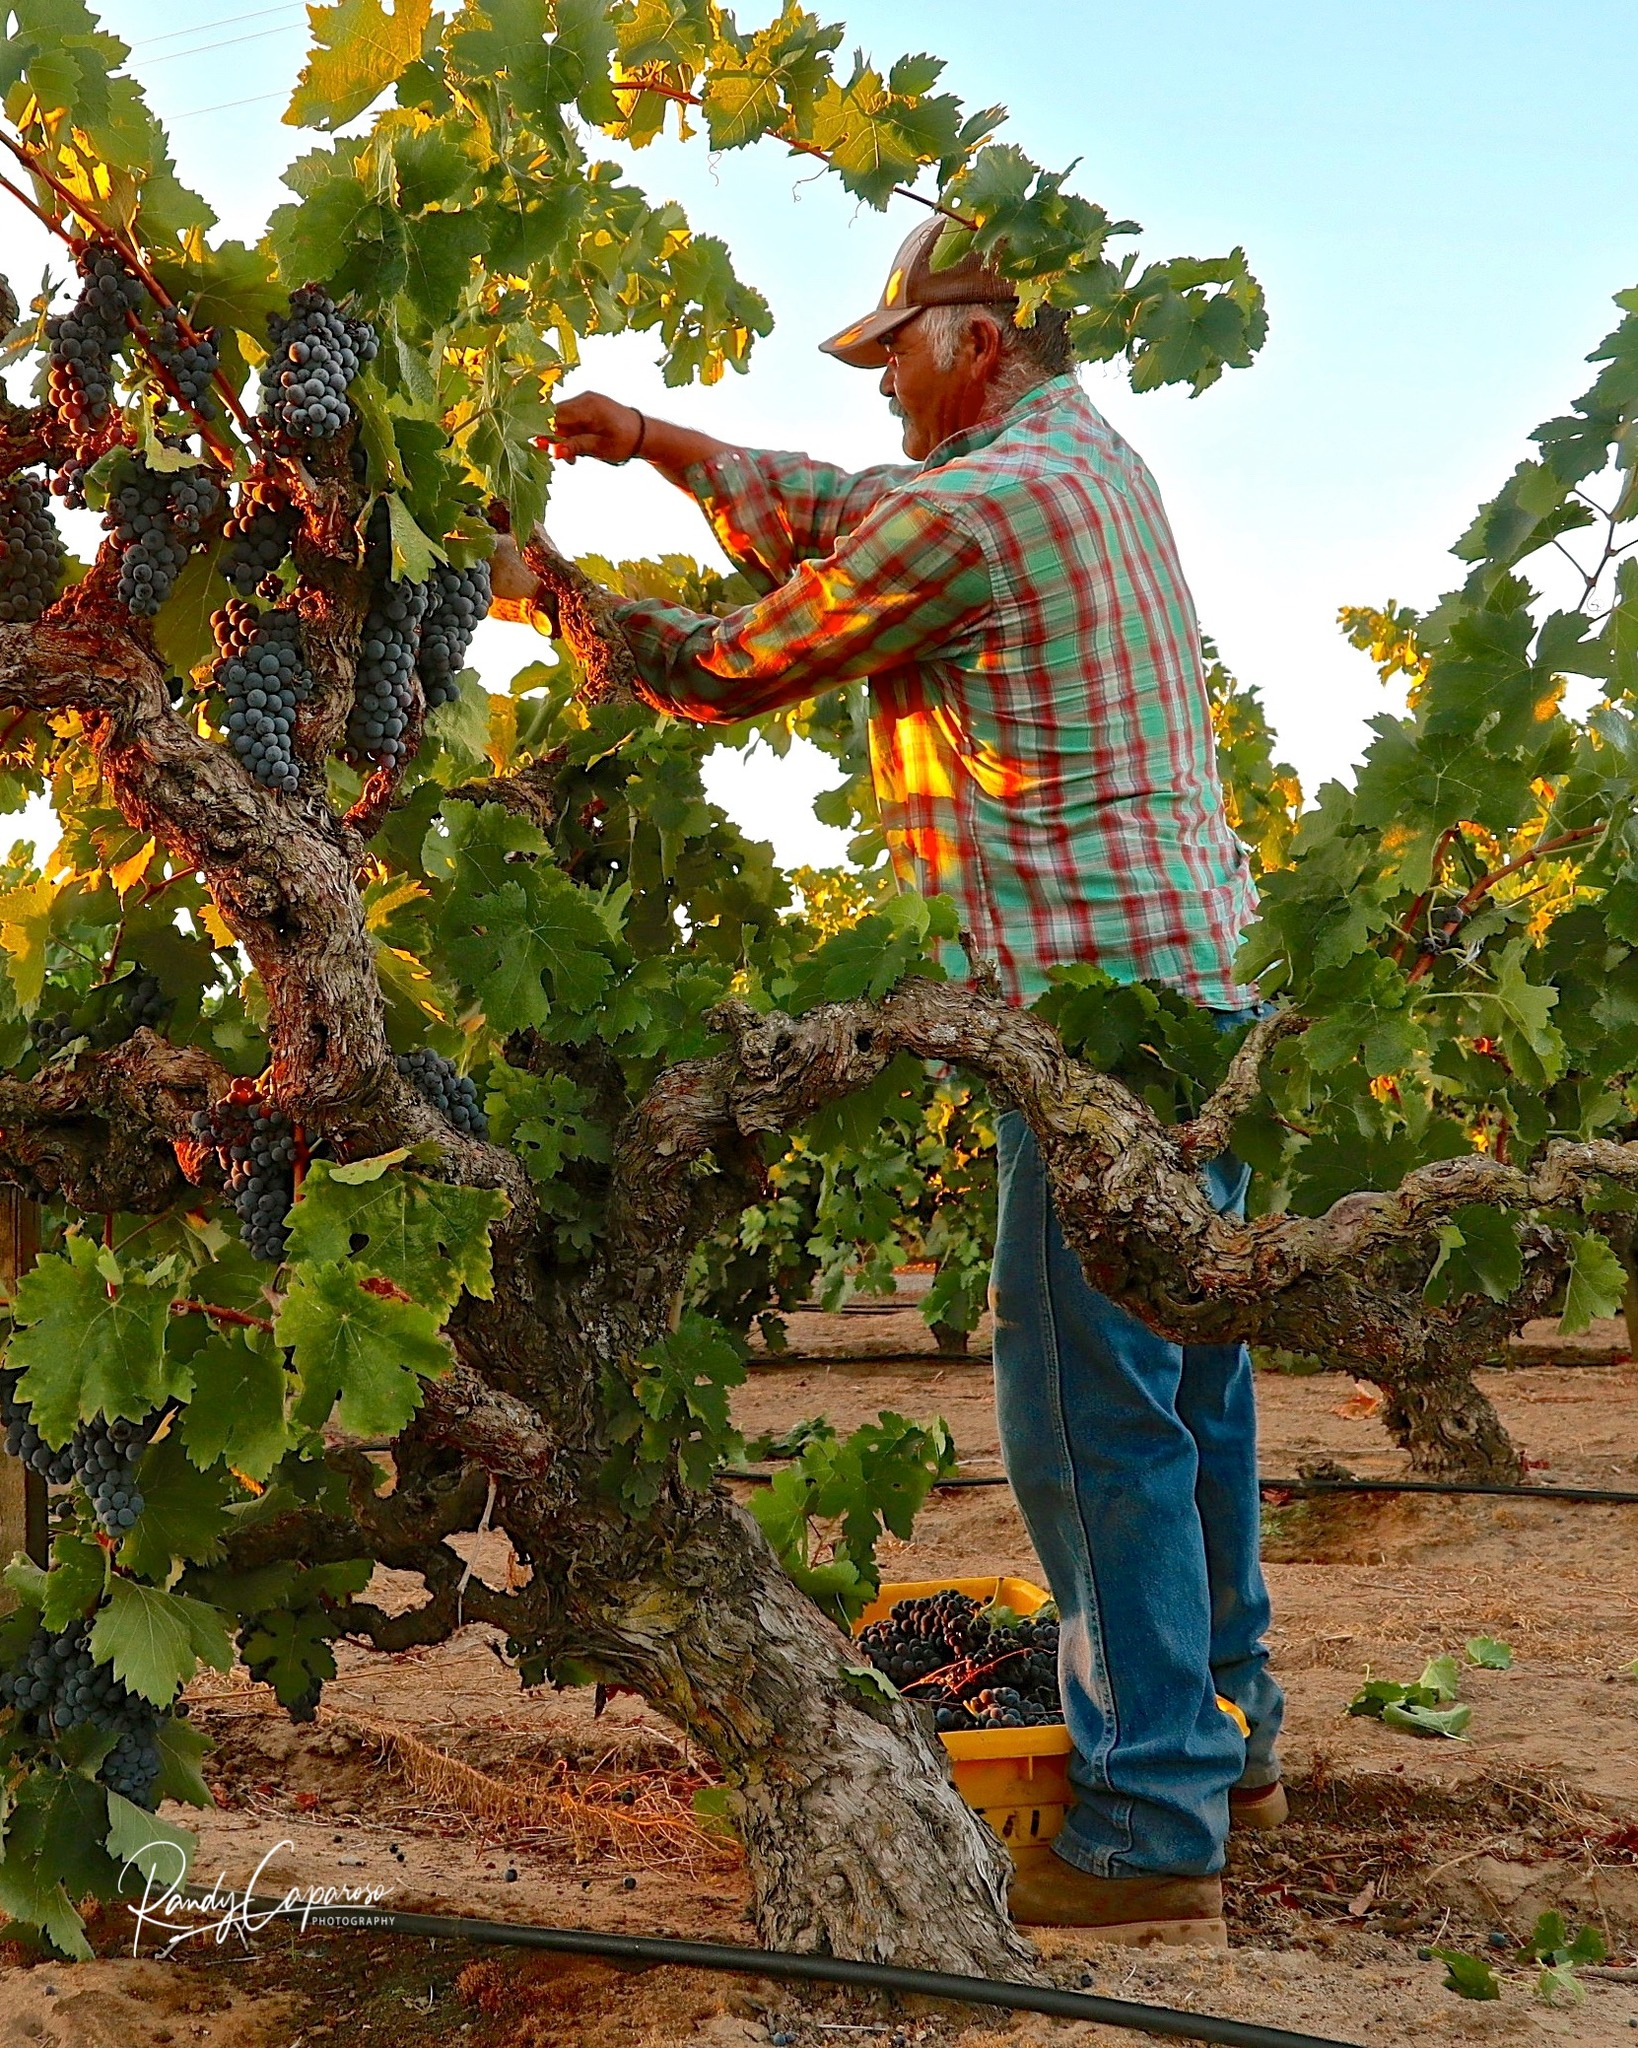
pixel 1017 1778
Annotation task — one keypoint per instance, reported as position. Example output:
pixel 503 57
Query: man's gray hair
pixel 1029 355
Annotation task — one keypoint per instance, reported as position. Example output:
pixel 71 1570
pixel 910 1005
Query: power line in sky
pixel 209 27
pixel 196 113
pixel 256 36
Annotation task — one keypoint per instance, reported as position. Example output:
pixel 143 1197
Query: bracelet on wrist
pixel 637 445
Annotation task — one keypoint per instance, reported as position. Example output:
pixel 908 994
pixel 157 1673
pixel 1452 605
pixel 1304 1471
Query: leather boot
pixel 1134 1910
pixel 1258 1806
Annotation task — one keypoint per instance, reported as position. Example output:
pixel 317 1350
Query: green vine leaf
pixel 91 1338
pixel 360 1352
pixel 431 1238
pixel 157 1640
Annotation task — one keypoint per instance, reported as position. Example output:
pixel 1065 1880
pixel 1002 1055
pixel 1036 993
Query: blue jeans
pixel 1134 1462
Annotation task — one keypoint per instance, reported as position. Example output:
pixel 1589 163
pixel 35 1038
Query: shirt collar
pixel 1052 392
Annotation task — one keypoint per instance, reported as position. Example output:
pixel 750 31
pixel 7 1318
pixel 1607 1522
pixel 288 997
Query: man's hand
pixel 514 588
pixel 591 424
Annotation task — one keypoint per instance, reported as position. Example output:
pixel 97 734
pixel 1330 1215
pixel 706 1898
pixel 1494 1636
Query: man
pixel 1041 746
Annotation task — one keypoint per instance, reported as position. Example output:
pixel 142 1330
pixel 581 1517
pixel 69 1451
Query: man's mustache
pixel 895 408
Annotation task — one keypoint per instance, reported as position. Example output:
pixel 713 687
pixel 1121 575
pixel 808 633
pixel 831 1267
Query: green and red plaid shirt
pixel 1041 739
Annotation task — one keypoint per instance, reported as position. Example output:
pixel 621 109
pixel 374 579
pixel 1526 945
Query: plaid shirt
pixel 1040 734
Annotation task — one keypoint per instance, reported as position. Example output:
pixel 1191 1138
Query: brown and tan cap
pixel 913 284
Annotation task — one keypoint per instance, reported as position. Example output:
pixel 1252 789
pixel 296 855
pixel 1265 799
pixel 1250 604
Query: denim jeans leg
pixel 1217 1404
pixel 1107 1473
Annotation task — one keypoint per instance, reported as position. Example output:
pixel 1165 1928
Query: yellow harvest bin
pixel 1016 1778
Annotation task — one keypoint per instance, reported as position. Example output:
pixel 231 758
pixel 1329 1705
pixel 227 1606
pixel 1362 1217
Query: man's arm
pixel 611 432
pixel 908 584
pixel 768 510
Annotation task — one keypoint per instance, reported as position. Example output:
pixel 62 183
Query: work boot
pixel 1258 1806
pixel 1133 1910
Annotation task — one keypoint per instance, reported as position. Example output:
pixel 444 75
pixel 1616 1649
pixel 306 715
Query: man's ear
pixel 984 337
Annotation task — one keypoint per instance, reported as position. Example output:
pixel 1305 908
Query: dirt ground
pixel 430 1776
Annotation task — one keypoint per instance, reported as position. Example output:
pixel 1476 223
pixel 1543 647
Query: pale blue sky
pixel 1439 199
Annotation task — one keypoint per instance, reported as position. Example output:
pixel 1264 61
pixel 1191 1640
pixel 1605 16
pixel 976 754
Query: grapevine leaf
pixel 54 1855
pixel 183 1511
pixel 25 925
pixel 866 1679
pixel 156 1640
pixel 139 1840
pixel 1516 1011
pixel 1489 1654
pixel 182 1749
pixel 1597 1283
pixel 237 1412
pixel 520 934
pixel 1441 1676
pixel 91 1338
pixel 1478 1254
pixel 1468 1976
pixel 358 51
pixel 79 1572
pixel 182 628
pixel 413 554
pixel 289 1648
pixel 673 1407
pixel 366 1350
pixel 428 1236
pixel 1412 1719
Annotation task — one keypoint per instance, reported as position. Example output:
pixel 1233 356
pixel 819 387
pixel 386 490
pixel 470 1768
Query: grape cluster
pixel 921 1636
pixel 259 532
pixel 459 600
pixel 156 520
pixel 31 551
pixel 56 1685
pixel 24 1441
pixel 105 1017
pixel 454 1095
pixel 68 483
pixel 257 1145
pixel 190 364
pixel 142 998
pixel 946 1636
pixel 85 340
pixel 383 696
pixel 315 354
pixel 263 674
pixel 106 1455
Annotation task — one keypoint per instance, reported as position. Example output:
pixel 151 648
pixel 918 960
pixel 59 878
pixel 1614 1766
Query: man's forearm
pixel 674 450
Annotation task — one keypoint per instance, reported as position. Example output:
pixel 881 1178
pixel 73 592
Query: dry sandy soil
pixel 430 1775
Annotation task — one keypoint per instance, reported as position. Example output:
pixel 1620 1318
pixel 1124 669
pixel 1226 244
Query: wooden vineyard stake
pixel 22 1492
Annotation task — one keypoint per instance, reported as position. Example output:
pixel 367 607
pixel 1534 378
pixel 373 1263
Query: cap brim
pixel 863 345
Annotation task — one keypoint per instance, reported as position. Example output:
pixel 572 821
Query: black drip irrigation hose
pixel 647 1950
pixel 1598 1495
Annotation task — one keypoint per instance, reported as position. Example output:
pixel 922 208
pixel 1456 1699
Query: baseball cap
pixel 913 284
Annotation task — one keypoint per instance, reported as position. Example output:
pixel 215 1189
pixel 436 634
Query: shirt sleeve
pixel 907 584
pixel 770 511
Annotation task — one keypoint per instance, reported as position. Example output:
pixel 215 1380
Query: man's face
pixel 935 403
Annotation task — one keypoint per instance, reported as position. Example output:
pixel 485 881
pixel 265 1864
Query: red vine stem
pixel 54 227
pixel 1483 886
pixel 128 249
pixel 693 99
pixel 220 1315
pixel 1418 909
